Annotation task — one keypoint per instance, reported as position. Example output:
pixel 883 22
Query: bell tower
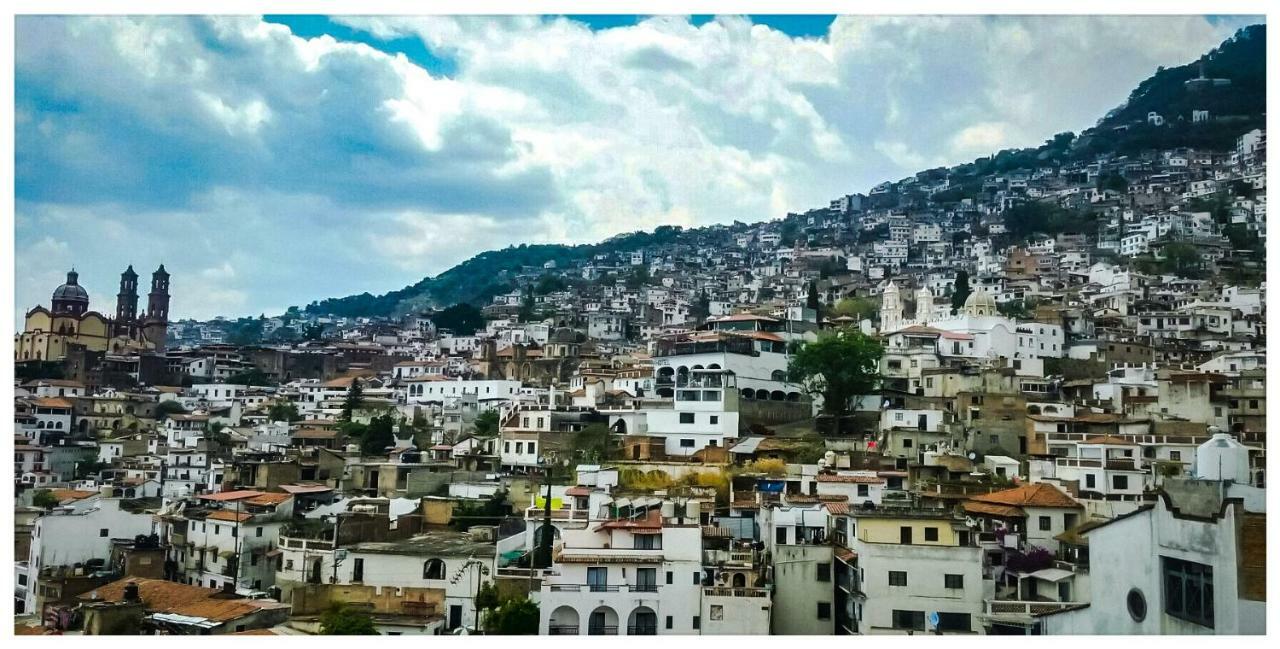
pixel 127 300
pixel 155 326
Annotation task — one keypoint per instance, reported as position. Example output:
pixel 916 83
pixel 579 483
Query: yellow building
pixel 48 333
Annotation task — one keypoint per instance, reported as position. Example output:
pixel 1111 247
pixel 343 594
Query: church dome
pixel 72 291
pixel 980 301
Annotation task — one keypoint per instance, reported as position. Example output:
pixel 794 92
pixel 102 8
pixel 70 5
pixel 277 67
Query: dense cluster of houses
pixel 1060 442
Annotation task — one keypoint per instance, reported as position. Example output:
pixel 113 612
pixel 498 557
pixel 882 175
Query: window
pixel 908 620
pixel 647 542
pixel 715 419
pixel 1119 482
pixel 780 536
pixel 103 532
pixel 1175 455
pixel 598 579
pixel 670 579
pixel 824 610
pixel 670 620
pixel 697 578
pixel 954 622
pixel 824 572
pixel 1188 591
pixel 697 622
pixel 906 443
pixel 864 490
pixel 433 569
pixel 646 580
pixel 1046 523
pixel 686 443
pixel 258 532
pixel 931 534
pixel 1090 480
pixel 897 578
pixel 686 417
pixel 717 612
pixel 953 581
pixel 1137 605
pixel 904 535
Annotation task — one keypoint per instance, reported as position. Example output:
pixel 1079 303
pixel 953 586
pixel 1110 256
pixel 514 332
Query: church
pixel 49 333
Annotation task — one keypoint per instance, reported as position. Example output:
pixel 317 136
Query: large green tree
pixel 462 319
pixel 514 617
pixel 486 423
pixel 355 395
pixel 961 291
pixel 345 620
pixel 839 365
pixel 283 411
pixel 378 436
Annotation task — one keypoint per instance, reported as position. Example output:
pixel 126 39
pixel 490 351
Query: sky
pixel 272 161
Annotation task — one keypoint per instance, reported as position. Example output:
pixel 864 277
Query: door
pixel 905 536
pixel 455 616
pixel 357 570
pixel 647 580
pixel 922 422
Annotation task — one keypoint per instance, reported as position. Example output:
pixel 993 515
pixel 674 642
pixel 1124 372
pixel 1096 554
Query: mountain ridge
pixel 1124 130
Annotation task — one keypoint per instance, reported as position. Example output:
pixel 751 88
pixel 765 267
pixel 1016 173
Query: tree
pixel 1183 260
pixel 638 277
pixel 812 301
pixel 857 307
pixel 170 407
pixel 514 617
pixel 962 290
pixel 313 332
pixel 378 436
pixel 44 499
pixel 591 444
pixel 839 366
pixel 283 411
pixel 486 424
pixel 353 400
pixel 251 377
pixel 462 319
pixel 344 620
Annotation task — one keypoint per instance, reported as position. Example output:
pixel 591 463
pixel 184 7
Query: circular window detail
pixel 1137 605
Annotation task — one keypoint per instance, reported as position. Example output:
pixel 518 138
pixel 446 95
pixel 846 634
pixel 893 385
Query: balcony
pixel 602 629
pixel 602 588
pixel 566 629
pixel 644 629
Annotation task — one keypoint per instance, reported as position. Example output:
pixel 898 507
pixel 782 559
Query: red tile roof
pixel 1039 494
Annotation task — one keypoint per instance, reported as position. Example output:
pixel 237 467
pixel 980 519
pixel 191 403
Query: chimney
pixel 131 593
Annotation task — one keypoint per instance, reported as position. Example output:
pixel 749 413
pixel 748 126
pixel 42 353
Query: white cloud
pixel 313 168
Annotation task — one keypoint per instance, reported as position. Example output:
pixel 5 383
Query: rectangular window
pixel 953 581
pixel 647 542
pixel 1089 480
pixel 715 419
pixel 697 622
pixel 864 490
pixel 686 417
pixel 931 534
pixel 897 578
pixel 597 579
pixel 1188 591
pixel 646 580
pixel 954 622
pixel 824 572
pixel 1045 523
pixel 686 443
pixel 1175 455
pixel 904 535
pixel 780 536
pixel 1119 482
pixel 913 620
pixel 103 533
pixel 824 610
pixel 671 576
pixel 670 622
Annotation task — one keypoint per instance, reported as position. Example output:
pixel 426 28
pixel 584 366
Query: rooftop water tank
pixel 1223 458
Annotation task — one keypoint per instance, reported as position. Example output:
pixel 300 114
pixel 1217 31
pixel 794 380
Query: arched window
pixel 778 375
pixel 433 569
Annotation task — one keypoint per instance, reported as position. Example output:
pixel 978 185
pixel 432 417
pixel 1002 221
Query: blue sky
pixel 271 161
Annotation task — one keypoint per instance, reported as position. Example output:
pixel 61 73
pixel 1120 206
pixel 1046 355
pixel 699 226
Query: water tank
pixel 668 509
pixel 693 510
pixel 830 457
pixel 107 491
pixel 1223 458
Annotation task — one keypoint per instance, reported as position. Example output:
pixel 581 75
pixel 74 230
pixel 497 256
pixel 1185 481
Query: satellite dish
pixel 973 455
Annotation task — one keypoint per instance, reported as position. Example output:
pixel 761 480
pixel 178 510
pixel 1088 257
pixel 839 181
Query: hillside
pixel 1233 109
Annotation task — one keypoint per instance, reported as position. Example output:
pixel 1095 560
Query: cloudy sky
pixel 271 161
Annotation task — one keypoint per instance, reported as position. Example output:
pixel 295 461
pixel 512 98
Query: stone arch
pixel 748 393
pixel 642 621
pixel 778 375
pixel 603 621
pixel 777 395
pixel 793 396
pixel 1033 410
pixel 564 621
pixel 739 580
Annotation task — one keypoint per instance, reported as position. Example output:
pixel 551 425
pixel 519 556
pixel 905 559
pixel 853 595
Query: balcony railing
pixel 644 629
pixel 735 592
pixel 563 629
pixel 595 629
pixel 1014 608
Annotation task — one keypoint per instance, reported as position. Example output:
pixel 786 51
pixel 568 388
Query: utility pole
pixel 337 525
pixel 543 556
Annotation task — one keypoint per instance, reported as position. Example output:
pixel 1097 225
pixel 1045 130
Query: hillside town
pixel 1006 401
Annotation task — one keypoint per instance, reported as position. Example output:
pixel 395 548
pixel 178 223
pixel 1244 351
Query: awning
pixel 647 531
pixel 275 553
pixel 1051 574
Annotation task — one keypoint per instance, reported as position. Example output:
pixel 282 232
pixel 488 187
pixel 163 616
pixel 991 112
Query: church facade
pixel 48 333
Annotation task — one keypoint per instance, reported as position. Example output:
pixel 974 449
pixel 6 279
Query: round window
pixel 1137 605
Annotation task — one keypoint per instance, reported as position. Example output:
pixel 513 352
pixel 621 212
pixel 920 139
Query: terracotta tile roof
pixel 64 495
pixel 313 433
pixel 52 402
pixel 578 491
pixel 988 509
pixel 224 496
pixel 1109 439
pixel 838 509
pixel 1039 494
pixel 269 499
pixel 228 515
